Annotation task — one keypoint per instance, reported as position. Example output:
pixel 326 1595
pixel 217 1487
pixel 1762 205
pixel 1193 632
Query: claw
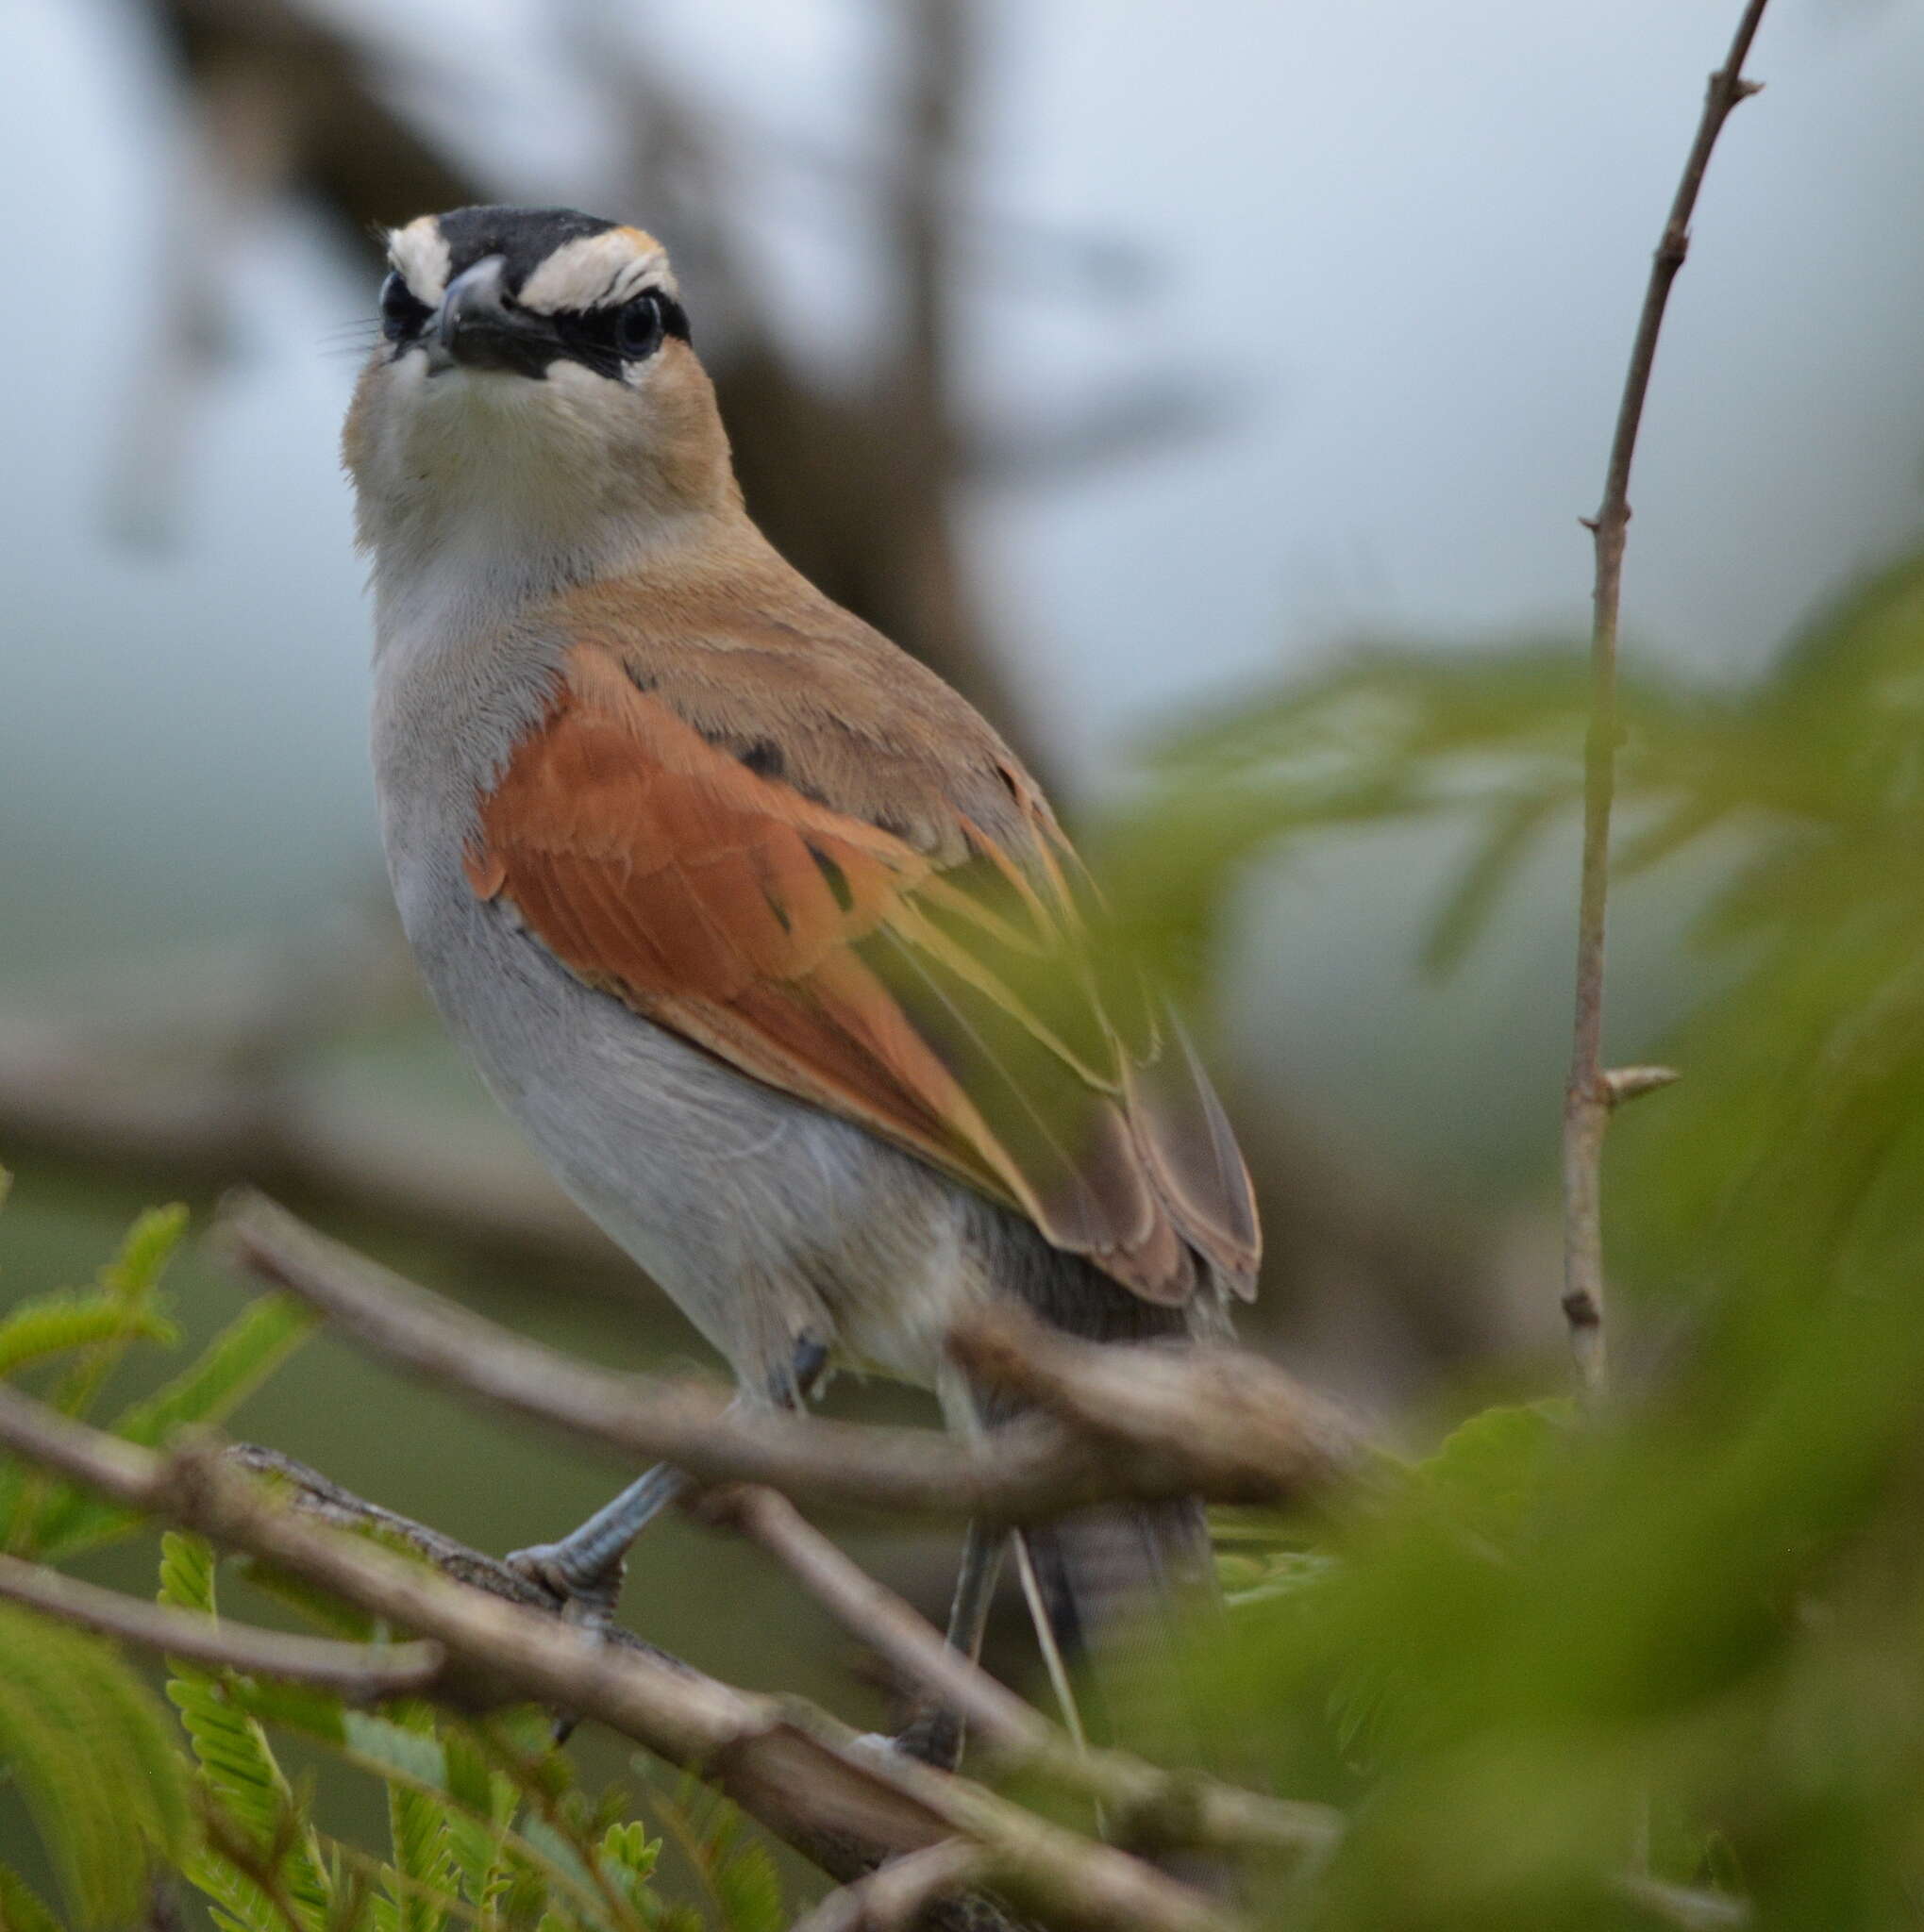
pixel 586 1596
pixel 933 1738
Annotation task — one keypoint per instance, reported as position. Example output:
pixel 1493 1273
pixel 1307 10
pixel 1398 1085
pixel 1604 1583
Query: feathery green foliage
pixel 83 1739
pixel 236 1363
pixel 71 1319
pixel 487 1824
pixel 1561 1666
pixel 90 1750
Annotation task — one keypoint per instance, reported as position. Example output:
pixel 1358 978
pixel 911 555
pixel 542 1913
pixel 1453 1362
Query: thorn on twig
pixel 1580 1309
pixel 1621 1084
pixel 1744 89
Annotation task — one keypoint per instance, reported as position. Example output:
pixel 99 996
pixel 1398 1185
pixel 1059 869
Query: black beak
pixel 480 327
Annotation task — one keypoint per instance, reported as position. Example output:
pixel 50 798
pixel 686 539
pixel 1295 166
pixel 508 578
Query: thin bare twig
pixel 359 1673
pixel 797 1771
pixel 1251 1434
pixel 1588 1096
pixel 1012 1731
pixel 1145 1807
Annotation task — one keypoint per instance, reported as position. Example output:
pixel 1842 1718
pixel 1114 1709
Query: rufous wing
pixel 949 1006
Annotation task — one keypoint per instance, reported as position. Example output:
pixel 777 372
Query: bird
pixel 769 942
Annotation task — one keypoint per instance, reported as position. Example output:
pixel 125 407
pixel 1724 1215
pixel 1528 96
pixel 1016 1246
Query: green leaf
pixel 21 1908
pixel 89 1748
pixel 149 1245
pixel 1489 1471
pixel 628 1848
pixel 75 1318
pixel 473 1804
pixel 238 1769
pixel 417 1828
pixel 733 1866
pixel 749 1888
pixel 232 1366
pixel 128 1284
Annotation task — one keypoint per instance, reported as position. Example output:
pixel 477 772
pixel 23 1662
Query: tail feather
pixel 1123 1588
pixel 1103 1569
pixel 1122 1585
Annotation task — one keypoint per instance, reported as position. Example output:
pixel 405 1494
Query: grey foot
pixel 933 1738
pixel 587 1595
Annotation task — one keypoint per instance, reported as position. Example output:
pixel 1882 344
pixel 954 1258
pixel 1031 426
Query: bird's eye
pixel 638 328
pixel 402 310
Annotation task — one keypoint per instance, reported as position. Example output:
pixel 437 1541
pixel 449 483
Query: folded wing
pixel 954 1006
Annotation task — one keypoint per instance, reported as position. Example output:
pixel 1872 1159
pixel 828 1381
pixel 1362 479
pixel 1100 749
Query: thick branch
pixel 796 1770
pixel 1588 1097
pixel 359 1673
pixel 1035 1468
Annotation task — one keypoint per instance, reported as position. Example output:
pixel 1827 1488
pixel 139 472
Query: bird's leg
pixel 586 1567
pixel 936 1735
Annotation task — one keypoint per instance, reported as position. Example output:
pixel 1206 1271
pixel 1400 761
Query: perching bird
pixel 756 926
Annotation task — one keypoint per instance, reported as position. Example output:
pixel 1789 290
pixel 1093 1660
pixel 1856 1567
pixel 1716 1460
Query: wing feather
pixel 947 1003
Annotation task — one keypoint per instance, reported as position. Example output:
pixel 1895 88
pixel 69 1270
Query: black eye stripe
pixel 402 310
pixel 606 338
pixel 602 317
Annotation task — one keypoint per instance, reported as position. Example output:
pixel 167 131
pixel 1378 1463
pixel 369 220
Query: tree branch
pixel 1249 1433
pixel 358 1673
pixel 1168 1420
pixel 802 1775
pixel 1146 1806
pixel 1588 1096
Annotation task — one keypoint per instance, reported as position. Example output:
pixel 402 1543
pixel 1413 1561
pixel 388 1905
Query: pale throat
pixel 472 554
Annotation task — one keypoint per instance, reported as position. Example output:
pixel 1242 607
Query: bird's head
pixel 534 382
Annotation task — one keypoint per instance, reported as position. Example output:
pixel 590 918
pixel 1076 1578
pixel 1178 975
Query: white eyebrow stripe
pixel 596 270
pixel 634 280
pixel 421 258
